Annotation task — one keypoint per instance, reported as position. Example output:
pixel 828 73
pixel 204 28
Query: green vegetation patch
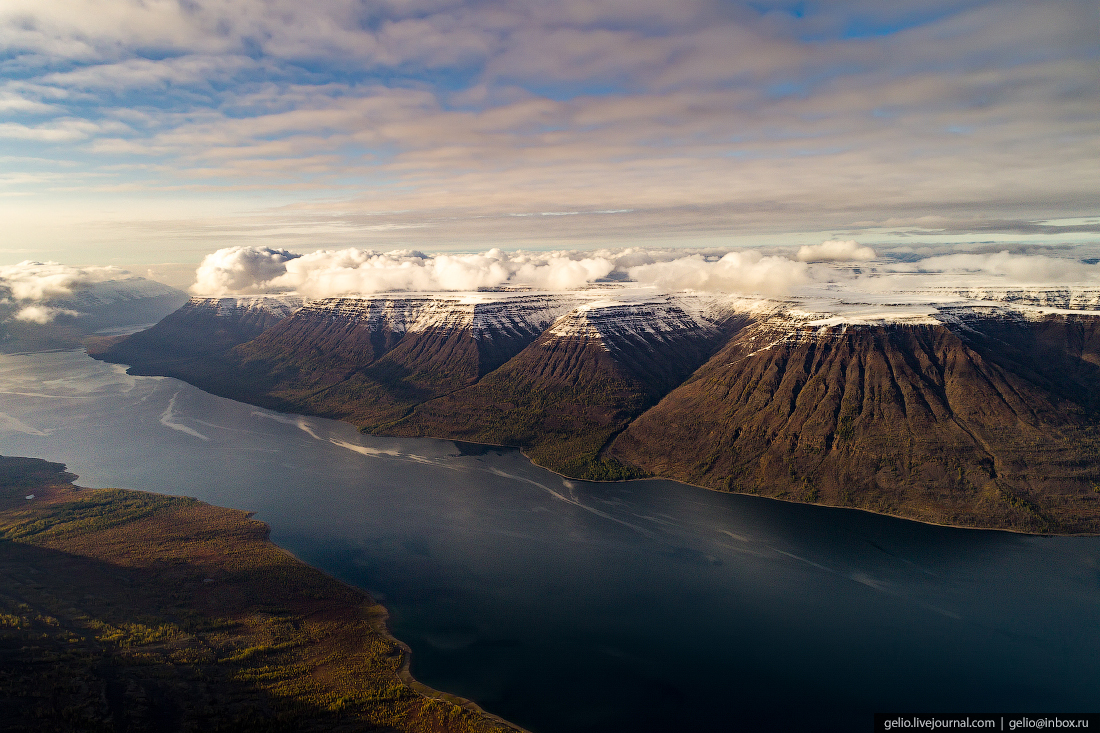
pixel 97 511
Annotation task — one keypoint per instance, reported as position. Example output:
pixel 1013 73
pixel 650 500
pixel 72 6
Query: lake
pixel 570 606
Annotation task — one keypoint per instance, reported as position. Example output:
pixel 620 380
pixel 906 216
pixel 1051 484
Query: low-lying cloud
pixel 1004 267
pixel 42 314
pixel 331 273
pixel 239 269
pixel 30 287
pixel 355 271
pixel 835 250
pixel 737 272
pixel 40 281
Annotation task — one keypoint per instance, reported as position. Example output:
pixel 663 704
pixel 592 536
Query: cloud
pixel 1005 266
pixel 699 116
pixel 42 314
pixel 737 272
pixel 62 130
pixel 239 270
pixel 42 281
pixel 835 251
pixel 352 271
pixel 328 273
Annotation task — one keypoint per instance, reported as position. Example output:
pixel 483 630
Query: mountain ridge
pixel 972 413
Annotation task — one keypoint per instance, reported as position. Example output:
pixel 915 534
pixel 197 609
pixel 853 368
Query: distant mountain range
pixel 63 321
pixel 965 406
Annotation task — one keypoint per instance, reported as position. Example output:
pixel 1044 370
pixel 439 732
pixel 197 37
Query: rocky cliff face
pixel 981 413
pixel 210 326
pixel 371 360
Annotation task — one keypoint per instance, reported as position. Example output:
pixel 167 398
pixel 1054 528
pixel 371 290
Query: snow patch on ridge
pixel 649 318
pixel 231 306
pixel 633 311
pixel 481 314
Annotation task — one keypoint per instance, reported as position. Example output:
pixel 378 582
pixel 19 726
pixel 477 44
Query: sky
pixel 136 133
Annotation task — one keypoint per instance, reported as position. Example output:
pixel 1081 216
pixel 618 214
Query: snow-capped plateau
pixel 481 313
pixel 234 306
pixel 653 318
pixel 630 309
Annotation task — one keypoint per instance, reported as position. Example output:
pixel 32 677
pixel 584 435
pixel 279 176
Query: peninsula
pixel 130 611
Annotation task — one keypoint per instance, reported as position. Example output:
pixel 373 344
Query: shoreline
pixel 378 618
pixel 219 601
pixel 646 478
pixel 716 491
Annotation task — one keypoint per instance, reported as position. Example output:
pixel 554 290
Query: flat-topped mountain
pixel 373 360
pixel 988 424
pixel 563 397
pixel 191 343
pixel 978 411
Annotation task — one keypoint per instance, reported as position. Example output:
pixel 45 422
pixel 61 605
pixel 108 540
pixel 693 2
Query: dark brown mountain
pixel 981 417
pixel 372 361
pixel 567 394
pixel 194 342
pixel 988 420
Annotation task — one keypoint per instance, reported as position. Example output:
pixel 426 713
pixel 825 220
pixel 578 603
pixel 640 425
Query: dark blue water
pixel 569 606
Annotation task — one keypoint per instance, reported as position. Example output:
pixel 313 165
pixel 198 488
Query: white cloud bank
pixel 30 286
pixel 737 272
pixel 239 270
pixel 333 273
pixel 1015 268
pixel 330 273
pixel 42 314
pixel 835 250
pixel 355 271
pixel 40 281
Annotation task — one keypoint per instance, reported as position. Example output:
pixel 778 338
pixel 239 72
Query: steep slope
pixel 925 405
pixel 986 419
pixel 564 396
pixel 194 342
pixel 371 360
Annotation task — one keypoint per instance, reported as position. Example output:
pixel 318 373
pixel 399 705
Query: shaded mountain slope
pixel 988 423
pixel 984 415
pixel 370 361
pixel 194 342
pixel 564 396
